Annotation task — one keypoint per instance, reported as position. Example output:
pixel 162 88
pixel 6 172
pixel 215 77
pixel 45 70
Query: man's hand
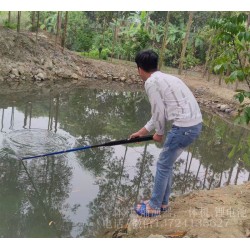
pixel 157 137
pixel 140 133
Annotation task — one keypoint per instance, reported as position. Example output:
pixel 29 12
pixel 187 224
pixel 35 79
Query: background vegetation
pixel 213 42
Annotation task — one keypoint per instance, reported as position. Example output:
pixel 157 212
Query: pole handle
pixel 131 140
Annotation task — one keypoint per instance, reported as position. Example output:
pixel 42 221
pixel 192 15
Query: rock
pixel 129 81
pixel 229 110
pixel 15 72
pixel 104 76
pixel 109 78
pixel 21 70
pixel 40 76
pixel 1 79
pixel 115 78
pixel 48 64
pixel 12 76
pixel 74 76
pixel 123 79
pixel 224 107
pixel 36 61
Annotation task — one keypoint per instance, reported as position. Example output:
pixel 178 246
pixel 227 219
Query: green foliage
pixel 190 61
pixel 105 53
pixel 10 25
pixel 49 21
pixel 141 40
pixel 234 37
pixel 79 33
pixel 244 112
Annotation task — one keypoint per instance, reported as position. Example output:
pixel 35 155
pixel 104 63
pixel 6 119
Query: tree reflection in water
pixel 35 198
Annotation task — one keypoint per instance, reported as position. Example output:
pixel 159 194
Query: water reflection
pixel 85 194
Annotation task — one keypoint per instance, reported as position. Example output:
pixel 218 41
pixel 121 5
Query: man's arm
pixel 157 108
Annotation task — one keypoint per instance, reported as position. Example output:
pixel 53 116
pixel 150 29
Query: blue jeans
pixel 177 139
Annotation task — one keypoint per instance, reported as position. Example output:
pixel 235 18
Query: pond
pixel 90 192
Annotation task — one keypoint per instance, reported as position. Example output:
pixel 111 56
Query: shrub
pixel 10 25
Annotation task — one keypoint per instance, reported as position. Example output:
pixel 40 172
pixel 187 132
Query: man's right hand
pixel 140 133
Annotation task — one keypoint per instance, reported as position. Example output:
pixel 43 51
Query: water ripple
pixel 30 142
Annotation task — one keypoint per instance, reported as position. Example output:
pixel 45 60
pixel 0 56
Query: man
pixel 171 100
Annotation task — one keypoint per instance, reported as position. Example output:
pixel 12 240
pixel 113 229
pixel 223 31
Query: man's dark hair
pixel 147 60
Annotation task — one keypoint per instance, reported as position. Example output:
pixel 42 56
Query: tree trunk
pixel 120 178
pixel 248 25
pixel 103 33
pixel 64 30
pixel 9 16
pixel 57 28
pixel 147 21
pixel 219 184
pixel 196 177
pixel 56 112
pixel 114 38
pixel 37 28
pixel 164 41
pixel 204 181
pixel 210 184
pixel 2 119
pixel 31 108
pixel 185 42
pixel 220 79
pixel 33 21
pixel 141 171
pixel 248 20
pixel 207 59
pixel 18 21
pixel 230 175
pixel 60 24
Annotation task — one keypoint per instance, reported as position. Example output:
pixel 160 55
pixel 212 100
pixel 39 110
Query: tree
pixel 234 35
pixel 18 21
pixel 58 26
pixel 64 30
pixel 164 41
pixel 9 16
pixel 185 42
pixel 33 21
pixel 37 28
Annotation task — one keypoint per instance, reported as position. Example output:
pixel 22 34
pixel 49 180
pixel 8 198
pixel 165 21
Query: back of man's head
pixel 147 60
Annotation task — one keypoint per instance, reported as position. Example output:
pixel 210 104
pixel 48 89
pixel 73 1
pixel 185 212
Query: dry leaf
pixel 179 234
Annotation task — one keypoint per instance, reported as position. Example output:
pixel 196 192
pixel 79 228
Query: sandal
pixel 142 211
pixel 163 209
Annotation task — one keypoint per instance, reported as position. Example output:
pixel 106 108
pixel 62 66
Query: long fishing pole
pixel 110 143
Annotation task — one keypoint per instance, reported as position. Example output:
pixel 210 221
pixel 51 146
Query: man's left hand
pixel 157 137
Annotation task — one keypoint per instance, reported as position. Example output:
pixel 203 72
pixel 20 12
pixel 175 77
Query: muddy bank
pixel 218 213
pixel 25 59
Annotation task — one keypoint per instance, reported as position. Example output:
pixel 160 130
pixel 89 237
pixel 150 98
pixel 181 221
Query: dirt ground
pixel 26 65
pixel 218 213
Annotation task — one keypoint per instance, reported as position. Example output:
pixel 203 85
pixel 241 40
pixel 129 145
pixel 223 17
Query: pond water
pixel 87 193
